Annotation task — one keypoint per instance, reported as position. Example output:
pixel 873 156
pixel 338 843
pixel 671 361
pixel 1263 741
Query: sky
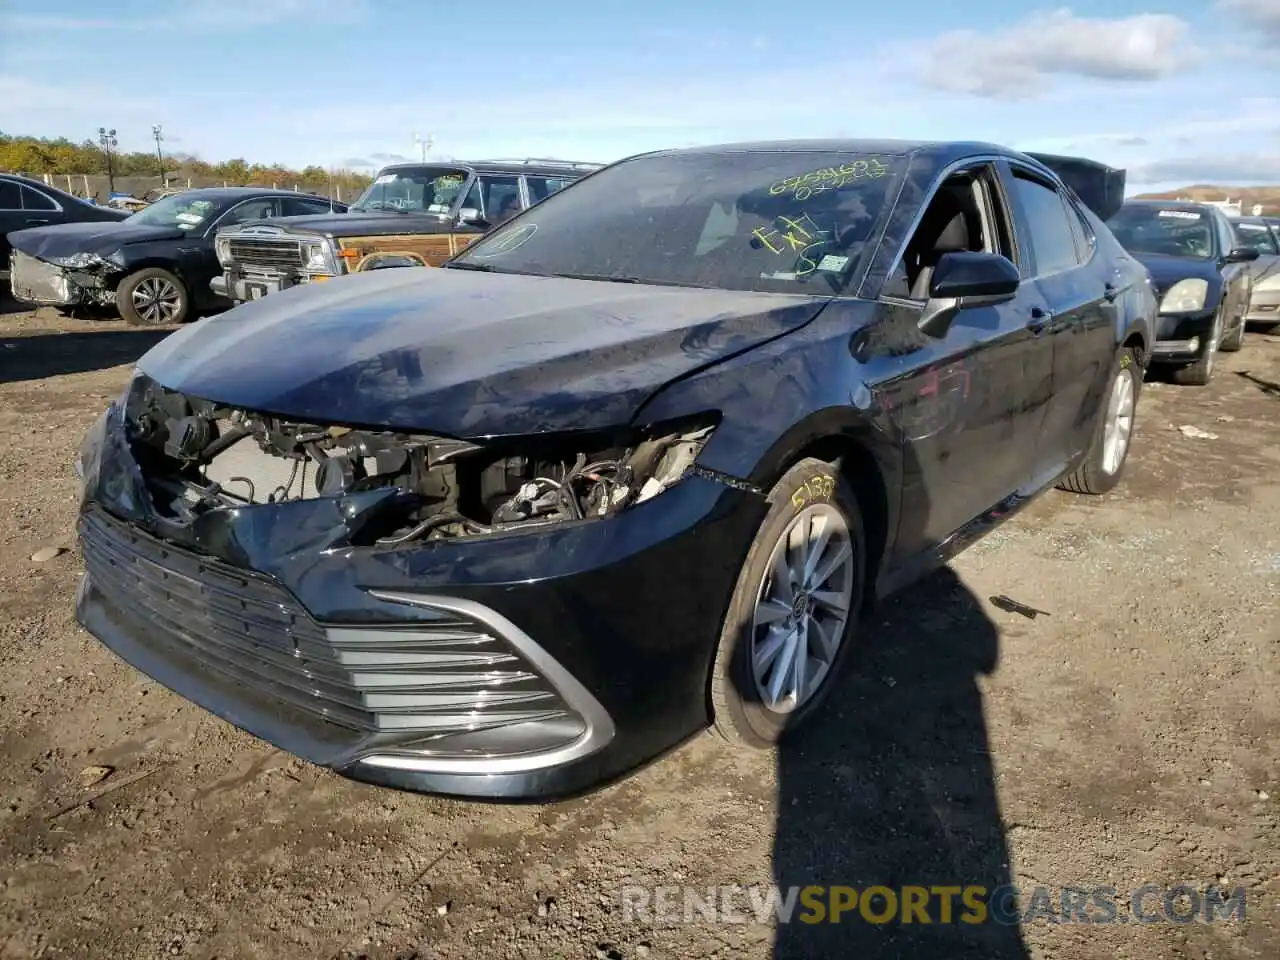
pixel 1175 91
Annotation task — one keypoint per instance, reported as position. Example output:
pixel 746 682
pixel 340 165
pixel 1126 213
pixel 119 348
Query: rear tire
pixel 1109 451
pixel 152 297
pixel 787 603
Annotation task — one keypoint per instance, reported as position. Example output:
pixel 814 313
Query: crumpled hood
pixel 465 354
pixel 102 239
pixel 358 223
pixel 1166 270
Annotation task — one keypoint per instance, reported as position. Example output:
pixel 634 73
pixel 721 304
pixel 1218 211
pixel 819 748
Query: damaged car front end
pixel 272 571
pixel 79 279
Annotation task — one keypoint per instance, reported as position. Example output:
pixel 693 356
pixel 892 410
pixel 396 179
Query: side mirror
pixel 963 280
pixel 1241 255
pixel 470 215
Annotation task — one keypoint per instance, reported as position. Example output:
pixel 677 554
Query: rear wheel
pixel 1109 450
pixel 152 297
pixel 794 609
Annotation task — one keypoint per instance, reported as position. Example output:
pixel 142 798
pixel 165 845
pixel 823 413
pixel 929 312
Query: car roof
pixel 236 193
pixel 944 151
pixel 532 165
pixel 1258 221
pixel 1171 204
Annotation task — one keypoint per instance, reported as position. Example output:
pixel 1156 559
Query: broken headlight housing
pixel 197 456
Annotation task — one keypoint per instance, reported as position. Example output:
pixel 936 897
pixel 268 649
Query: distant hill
pixel 1269 197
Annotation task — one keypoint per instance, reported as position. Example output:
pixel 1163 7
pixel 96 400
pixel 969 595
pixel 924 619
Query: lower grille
pixel 437 687
pixel 255 252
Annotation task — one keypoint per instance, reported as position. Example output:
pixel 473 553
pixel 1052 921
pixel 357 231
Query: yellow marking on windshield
pixel 805 185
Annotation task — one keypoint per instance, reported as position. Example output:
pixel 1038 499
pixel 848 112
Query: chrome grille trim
pixel 448 688
pixel 263 252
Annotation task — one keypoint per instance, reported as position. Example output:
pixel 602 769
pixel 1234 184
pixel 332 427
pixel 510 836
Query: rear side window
pixel 35 200
pixel 542 187
pixel 296 206
pixel 1052 239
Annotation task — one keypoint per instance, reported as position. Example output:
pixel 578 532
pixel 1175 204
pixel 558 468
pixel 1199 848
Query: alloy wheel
pixel 157 300
pixel 1118 426
pixel 802 608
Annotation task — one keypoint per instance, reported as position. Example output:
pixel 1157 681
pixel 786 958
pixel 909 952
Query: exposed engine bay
pixel 197 456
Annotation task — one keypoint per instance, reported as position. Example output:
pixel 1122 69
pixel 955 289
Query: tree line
pixel 34 156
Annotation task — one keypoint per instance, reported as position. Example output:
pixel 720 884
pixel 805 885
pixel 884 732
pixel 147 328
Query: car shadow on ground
pixel 893 785
pixel 40 355
pixel 1266 386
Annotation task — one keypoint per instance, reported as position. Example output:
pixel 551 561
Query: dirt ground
pixel 1130 734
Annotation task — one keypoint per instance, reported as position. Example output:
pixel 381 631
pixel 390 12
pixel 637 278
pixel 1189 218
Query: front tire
pixel 793 613
pixel 152 297
pixel 1234 342
pixel 1113 434
pixel 1198 374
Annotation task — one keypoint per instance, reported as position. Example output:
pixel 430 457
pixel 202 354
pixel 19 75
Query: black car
pixel 1201 276
pixel 154 266
pixel 413 214
pixel 29 203
pixel 629 466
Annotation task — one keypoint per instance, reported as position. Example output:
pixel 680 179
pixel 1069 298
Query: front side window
pixel 10 195
pixel 425 189
pixel 1053 243
pixel 250 210
pixel 1171 231
pixel 180 210
pixel 792 222
pixel 496 197
pixel 1257 236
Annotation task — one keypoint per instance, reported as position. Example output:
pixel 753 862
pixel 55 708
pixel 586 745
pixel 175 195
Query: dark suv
pixel 413 214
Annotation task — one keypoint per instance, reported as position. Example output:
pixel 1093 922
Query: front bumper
pixel 526 666
pixel 1264 306
pixel 1182 337
pixel 36 281
pixel 242 286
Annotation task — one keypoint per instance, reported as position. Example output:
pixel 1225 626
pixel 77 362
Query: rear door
pixel 1080 324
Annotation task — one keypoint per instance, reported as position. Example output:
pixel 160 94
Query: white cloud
pixel 1016 63
pixel 1239 169
pixel 1263 15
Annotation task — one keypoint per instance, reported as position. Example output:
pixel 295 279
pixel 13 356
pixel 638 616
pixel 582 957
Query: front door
pixel 962 410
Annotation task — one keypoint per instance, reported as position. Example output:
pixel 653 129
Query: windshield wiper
pixel 485 268
pixel 621 278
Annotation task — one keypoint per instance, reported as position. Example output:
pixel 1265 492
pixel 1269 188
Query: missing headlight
pixel 198 456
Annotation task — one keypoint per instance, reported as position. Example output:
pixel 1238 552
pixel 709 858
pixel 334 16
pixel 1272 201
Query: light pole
pixel 107 140
pixel 156 132
pixel 424 144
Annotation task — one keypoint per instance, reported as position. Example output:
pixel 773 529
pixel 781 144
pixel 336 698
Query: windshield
pixel 1257 236
pixel 1163 230
pixel 770 221
pixel 180 210
pixel 414 190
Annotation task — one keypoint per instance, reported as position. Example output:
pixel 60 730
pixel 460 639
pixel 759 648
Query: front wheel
pixel 1201 372
pixel 1233 342
pixel 1109 450
pixel 793 611
pixel 152 297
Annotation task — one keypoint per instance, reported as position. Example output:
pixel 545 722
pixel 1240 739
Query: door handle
pixel 1110 291
pixel 1039 320
pixel 37 220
